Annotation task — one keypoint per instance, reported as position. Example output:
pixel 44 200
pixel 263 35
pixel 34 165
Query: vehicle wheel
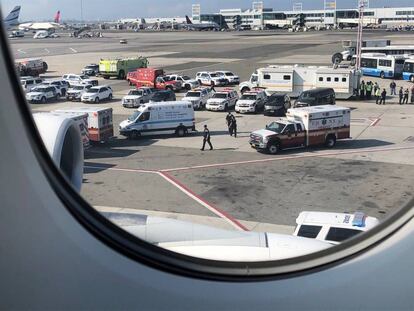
pixel 134 135
pixel 110 97
pixel 180 132
pixel 337 58
pixel 412 79
pixel 43 100
pixel 188 87
pixel 330 141
pixel 97 100
pixel 121 75
pixel 273 148
pixel 382 75
pixel 45 66
pixel 244 90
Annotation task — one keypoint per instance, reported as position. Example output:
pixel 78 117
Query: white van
pixel 160 118
pixel 41 34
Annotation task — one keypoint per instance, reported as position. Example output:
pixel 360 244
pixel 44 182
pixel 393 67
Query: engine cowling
pixel 63 141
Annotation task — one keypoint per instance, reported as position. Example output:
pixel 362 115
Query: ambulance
pixel 100 122
pixel 160 118
pixel 304 127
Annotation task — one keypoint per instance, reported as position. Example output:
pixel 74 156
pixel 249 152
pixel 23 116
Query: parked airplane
pixel 201 26
pixel 13 18
pixel 42 26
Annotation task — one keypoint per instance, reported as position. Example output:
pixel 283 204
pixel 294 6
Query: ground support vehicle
pixel 153 78
pixel 304 127
pixel 160 118
pixel 119 67
pixel 100 122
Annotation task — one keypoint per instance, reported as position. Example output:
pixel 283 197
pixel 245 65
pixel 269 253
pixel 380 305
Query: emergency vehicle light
pixel 359 219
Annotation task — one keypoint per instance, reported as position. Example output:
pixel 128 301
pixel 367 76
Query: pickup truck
pixel 153 78
pixel 304 127
pixel 137 97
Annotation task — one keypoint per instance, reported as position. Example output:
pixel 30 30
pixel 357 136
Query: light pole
pixel 81 10
pixel 360 32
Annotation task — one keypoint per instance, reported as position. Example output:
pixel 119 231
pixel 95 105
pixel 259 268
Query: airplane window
pixel 207 181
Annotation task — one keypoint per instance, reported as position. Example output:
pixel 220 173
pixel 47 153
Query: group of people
pixel 368 89
pixel 231 124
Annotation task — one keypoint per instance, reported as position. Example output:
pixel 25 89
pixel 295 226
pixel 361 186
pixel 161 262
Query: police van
pixel 160 118
pixel 333 228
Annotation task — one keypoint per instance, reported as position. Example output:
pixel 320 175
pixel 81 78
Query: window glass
pixel 266 76
pixel 341 234
pixel 309 231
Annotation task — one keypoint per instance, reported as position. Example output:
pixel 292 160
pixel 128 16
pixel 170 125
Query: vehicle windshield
pixel 229 74
pixel 306 97
pixel 136 92
pixel 39 89
pixel 275 101
pixel 93 90
pixel 220 95
pixel 248 97
pixel 134 116
pixel 254 78
pixel 214 75
pixel 193 94
pixel 276 127
pixel 78 88
pixel 84 77
pixel 186 78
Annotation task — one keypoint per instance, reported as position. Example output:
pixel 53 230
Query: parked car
pixel 316 97
pixel 61 85
pixel 277 105
pixel 79 79
pixel 97 93
pixel 76 91
pixel 42 94
pixel 186 81
pixel 229 76
pixel 163 96
pixel 223 100
pixel 251 102
pixel 137 97
pixel 198 97
pixel 91 70
pixel 28 83
pixel 210 78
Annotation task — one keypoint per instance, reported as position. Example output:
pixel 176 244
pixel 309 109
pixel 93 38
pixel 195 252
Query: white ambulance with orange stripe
pixel 100 122
pixel 304 127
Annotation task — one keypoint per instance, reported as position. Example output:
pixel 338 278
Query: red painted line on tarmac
pixel 202 201
pixel 328 154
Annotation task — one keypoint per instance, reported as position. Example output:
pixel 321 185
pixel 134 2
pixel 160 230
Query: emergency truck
pixel 100 122
pixel 119 67
pixel 31 67
pixel 304 127
pixel 153 78
pixel 333 228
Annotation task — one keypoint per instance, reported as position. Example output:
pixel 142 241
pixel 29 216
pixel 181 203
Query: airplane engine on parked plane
pixel 62 139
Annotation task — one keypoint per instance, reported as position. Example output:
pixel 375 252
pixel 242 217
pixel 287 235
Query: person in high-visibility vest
pixel 362 90
pixel 368 89
pixel 378 95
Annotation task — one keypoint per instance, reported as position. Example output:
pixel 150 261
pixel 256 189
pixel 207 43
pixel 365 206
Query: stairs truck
pixel 304 127
pixel 120 67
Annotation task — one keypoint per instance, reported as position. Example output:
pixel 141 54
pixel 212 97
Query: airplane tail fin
pixel 189 22
pixel 13 17
pixel 57 17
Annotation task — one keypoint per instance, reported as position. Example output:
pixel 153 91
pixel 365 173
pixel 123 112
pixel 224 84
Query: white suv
pixel 30 82
pixel 79 79
pixel 61 85
pixel 251 102
pixel 97 93
pixel 210 78
pixel 198 97
pixel 229 76
pixel 222 101
pixel 42 94
pixel 186 81
pixel 76 91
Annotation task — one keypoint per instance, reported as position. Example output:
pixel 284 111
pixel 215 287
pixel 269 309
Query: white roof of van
pixel 342 220
pixel 83 109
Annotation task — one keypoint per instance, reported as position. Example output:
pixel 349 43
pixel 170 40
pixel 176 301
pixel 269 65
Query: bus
pixel 381 65
pixel 408 71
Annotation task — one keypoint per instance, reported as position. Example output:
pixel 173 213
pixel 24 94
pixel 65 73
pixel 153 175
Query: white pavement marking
pixel 21 51
pixel 73 50
pixel 314 155
pixel 47 51
pixel 235 223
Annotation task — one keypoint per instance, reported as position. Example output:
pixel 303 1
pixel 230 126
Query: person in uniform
pixel 368 89
pixel 412 95
pixel 377 95
pixel 393 88
pixel 406 96
pixel 233 126
pixel 362 90
pixel 206 138
pixel 229 118
pixel 401 95
pixel 383 97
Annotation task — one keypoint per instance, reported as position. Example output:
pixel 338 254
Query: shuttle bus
pixel 408 72
pixel 381 65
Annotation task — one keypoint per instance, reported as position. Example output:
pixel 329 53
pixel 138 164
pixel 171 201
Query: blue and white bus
pixel 408 72
pixel 381 65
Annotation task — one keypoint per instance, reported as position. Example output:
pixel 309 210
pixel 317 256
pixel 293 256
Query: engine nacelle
pixel 63 141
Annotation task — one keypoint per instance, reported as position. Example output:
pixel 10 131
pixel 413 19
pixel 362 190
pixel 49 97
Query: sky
pixel 115 9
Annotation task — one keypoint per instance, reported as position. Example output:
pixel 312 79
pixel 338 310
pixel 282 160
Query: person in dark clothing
pixel 383 97
pixel 406 96
pixel 212 88
pixel 368 89
pixel 401 95
pixel 362 90
pixel 229 119
pixel 233 126
pixel 412 95
pixel 393 88
pixel 206 138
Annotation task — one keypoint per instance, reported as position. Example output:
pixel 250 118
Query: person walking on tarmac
pixel 383 97
pixel 229 119
pixel 233 126
pixel 393 88
pixel 406 95
pixel 362 90
pixel 401 95
pixel 206 138
pixel 368 89
pixel 377 95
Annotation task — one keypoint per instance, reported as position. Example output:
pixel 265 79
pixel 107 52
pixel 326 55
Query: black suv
pixel 91 70
pixel 277 105
pixel 316 97
pixel 163 96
